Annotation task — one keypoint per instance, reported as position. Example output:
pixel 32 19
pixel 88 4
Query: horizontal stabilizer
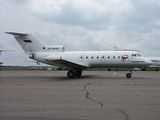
pixel 15 33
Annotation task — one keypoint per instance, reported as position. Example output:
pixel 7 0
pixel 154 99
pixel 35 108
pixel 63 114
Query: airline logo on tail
pixel 124 57
pixel 27 41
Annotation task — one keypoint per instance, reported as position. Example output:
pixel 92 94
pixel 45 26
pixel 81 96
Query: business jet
pixel 1 62
pixel 155 62
pixel 77 61
pixel 33 62
pixel 9 65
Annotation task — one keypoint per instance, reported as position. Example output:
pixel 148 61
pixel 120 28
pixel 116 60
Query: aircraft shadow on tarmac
pixel 92 77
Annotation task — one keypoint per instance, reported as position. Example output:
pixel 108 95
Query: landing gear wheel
pixel 70 74
pixel 156 69
pixel 78 73
pixel 143 69
pixel 128 75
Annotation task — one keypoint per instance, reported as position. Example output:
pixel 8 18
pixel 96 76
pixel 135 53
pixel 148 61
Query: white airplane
pixel 77 61
pixel 33 61
pixel 1 63
pixel 155 61
pixel 116 49
pixel 9 65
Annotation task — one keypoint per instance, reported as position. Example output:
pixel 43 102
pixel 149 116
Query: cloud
pixel 82 25
pixel 93 15
pixel 143 17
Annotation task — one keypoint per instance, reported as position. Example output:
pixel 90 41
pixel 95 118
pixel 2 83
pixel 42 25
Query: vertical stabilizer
pixel 28 42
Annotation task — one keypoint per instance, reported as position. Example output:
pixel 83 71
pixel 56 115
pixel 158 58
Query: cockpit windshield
pixel 138 55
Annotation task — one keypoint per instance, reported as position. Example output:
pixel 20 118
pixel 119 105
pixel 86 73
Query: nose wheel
pixel 128 75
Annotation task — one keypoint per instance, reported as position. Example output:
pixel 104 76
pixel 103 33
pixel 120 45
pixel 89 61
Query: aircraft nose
pixel 148 62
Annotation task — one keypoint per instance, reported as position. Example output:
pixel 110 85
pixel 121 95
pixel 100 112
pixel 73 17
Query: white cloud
pixel 94 15
pixel 82 25
pixel 43 7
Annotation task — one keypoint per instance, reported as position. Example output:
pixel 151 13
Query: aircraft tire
pixel 70 74
pixel 128 75
pixel 78 73
pixel 156 69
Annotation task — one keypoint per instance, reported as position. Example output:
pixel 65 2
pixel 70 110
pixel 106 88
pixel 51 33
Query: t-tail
pixel 31 45
pixel 28 42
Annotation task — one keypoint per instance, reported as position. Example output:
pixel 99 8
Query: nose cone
pixel 148 62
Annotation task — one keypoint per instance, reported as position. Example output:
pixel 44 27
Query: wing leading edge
pixel 65 64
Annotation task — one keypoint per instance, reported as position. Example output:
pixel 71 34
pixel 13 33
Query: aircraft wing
pixel 153 66
pixel 9 65
pixel 65 63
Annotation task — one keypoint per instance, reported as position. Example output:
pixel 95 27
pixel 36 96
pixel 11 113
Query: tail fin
pixel 28 42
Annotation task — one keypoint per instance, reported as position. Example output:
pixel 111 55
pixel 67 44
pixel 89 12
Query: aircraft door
pixel 103 58
pixel 81 58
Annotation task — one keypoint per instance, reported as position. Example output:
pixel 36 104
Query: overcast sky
pixel 81 25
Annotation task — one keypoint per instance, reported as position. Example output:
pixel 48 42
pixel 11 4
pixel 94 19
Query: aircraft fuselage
pixel 95 59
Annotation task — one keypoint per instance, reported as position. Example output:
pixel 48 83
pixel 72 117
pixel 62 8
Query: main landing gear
pixel 73 73
pixel 128 75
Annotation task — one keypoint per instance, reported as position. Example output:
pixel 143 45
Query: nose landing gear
pixel 128 75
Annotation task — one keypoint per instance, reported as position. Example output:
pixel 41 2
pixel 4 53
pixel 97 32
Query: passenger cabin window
pixel 119 57
pixel 92 57
pixel 97 57
pixel 86 57
pixel 108 57
pixel 114 57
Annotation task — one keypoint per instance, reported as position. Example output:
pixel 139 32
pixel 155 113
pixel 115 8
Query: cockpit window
pixel 139 55
pixel 133 54
pixel 136 55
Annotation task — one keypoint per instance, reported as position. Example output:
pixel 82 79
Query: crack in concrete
pixel 101 104
pixel 87 95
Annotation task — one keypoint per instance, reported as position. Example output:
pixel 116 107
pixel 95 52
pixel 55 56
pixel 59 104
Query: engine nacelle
pixel 31 56
pixel 55 48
